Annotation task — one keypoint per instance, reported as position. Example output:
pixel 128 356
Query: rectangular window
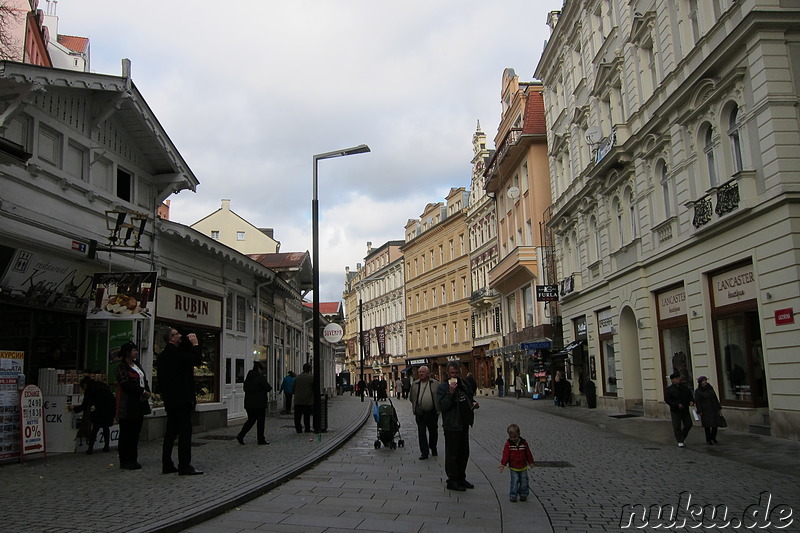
pixel 49 148
pixel 215 234
pixel 239 370
pixel 511 307
pixel 77 162
pixel 453 288
pixel 239 235
pixel 455 332
pixel 527 303
pixel 124 185
pixel 229 311
pixel 241 313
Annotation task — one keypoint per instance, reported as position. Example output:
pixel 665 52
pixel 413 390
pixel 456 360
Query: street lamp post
pixel 360 149
pixel 361 341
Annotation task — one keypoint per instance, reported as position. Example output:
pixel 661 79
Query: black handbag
pixel 145 407
pixel 722 422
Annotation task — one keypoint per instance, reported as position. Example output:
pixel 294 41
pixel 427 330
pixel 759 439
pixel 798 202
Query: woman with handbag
pixel 256 388
pixel 708 409
pixel 134 395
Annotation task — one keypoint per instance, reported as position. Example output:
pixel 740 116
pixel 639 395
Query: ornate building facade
pixel 673 134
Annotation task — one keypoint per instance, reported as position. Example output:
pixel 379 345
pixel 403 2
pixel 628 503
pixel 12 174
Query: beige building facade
pixel 232 230
pixel 518 179
pixel 487 331
pixel 438 287
pixel 673 134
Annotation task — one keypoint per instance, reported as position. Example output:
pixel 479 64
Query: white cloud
pixel 248 92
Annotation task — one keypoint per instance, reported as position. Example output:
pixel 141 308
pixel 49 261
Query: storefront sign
pixel 547 293
pixel 540 345
pixel 122 296
pixel 580 327
pixel 11 362
pixel 32 420
pixel 672 304
pixel 604 319
pixel 333 332
pixel 734 286
pixel 380 333
pixel 34 278
pixel 784 317
pixel 9 407
pixel 187 307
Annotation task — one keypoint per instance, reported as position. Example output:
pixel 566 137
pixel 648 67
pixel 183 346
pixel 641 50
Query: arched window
pixel 631 212
pixel 666 193
pixel 616 209
pixel 595 249
pixel 733 135
pixel 567 256
pixel 708 149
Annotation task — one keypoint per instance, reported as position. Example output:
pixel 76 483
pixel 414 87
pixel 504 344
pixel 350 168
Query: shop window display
pixel 205 376
pixel 675 347
pixel 740 359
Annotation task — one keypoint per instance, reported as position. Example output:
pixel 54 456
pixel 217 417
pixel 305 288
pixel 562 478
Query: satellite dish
pixel 513 193
pixel 593 135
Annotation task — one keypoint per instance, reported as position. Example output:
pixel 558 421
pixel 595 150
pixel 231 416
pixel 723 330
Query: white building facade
pixel 672 135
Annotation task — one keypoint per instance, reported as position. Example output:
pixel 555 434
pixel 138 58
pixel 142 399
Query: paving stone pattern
pixel 592 466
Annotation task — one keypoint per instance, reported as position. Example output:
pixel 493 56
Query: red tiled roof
pixel 326 308
pixel 281 259
pixel 534 123
pixel 76 44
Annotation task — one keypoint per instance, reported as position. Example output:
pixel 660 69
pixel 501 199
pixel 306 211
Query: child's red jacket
pixel 517 456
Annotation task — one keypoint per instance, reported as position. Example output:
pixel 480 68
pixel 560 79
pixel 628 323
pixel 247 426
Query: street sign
pixel 333 333
pixel 547 293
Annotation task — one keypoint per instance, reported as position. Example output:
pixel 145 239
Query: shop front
pixel 192 311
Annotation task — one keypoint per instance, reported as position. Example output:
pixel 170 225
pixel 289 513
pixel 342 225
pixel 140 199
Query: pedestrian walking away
pixel 500 382
pixel 425 406
pixel 519 385
pixel 98 406
pixel 458 413
pixel 517 456
pixel 560 389
pixel 679 398
pixel 287 388
pixel 708 409
pixel 406 385
pixel 303 399
pixel 256 390
pixel 176 385
pixel 134 404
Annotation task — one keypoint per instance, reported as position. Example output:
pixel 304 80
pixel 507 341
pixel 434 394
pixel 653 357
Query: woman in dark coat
pixel 560 389
pixel 99 405
pixel 134 394
pixel 708 408
pixel 256 388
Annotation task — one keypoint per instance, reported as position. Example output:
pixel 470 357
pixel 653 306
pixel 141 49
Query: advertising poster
pixel 32 420
pixel 122 296
pixel 10 371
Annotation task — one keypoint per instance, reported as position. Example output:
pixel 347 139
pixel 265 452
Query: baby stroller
pixel 388 425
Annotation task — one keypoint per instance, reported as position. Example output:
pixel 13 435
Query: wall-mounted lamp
pixel 640 323
pixel 769 296
pixel 694 313
pixel 613 330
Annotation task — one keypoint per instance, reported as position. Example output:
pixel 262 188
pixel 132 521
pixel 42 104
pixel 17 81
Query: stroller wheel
pixel 377 444
pixel 401 443
pixel 392 446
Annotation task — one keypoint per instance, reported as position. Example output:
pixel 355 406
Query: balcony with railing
pixel 519 266
pixel 723 201
pixel 511 139
pixel 483 297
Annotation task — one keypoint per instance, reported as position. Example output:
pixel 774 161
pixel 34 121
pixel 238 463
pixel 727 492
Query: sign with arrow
pixel 32 420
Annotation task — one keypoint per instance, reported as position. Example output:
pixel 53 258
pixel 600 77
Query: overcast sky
pixel 249 91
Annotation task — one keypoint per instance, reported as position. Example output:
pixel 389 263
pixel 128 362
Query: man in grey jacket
pixel 457 404
pixel 425 407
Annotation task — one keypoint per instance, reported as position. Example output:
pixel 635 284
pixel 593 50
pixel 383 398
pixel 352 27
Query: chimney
pixel 369 246
pixel 226 204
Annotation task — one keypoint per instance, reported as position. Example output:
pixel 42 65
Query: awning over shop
pixel 569 347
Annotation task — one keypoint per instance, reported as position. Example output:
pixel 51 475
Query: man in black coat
pixel 457 405
pixel 176 384
pixel 679 398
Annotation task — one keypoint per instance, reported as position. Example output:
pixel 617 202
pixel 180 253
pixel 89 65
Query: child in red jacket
pixel 517 455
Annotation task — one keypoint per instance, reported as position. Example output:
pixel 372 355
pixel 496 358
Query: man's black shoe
pixel 456 486
pixel 423 457
pixel 189 471
pixel 263 442
pixel 130 466
pixel 240 439
pixel 434 452
pixel 467 484
pixel 168 469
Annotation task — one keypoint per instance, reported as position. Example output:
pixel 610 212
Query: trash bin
pixel 590 391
